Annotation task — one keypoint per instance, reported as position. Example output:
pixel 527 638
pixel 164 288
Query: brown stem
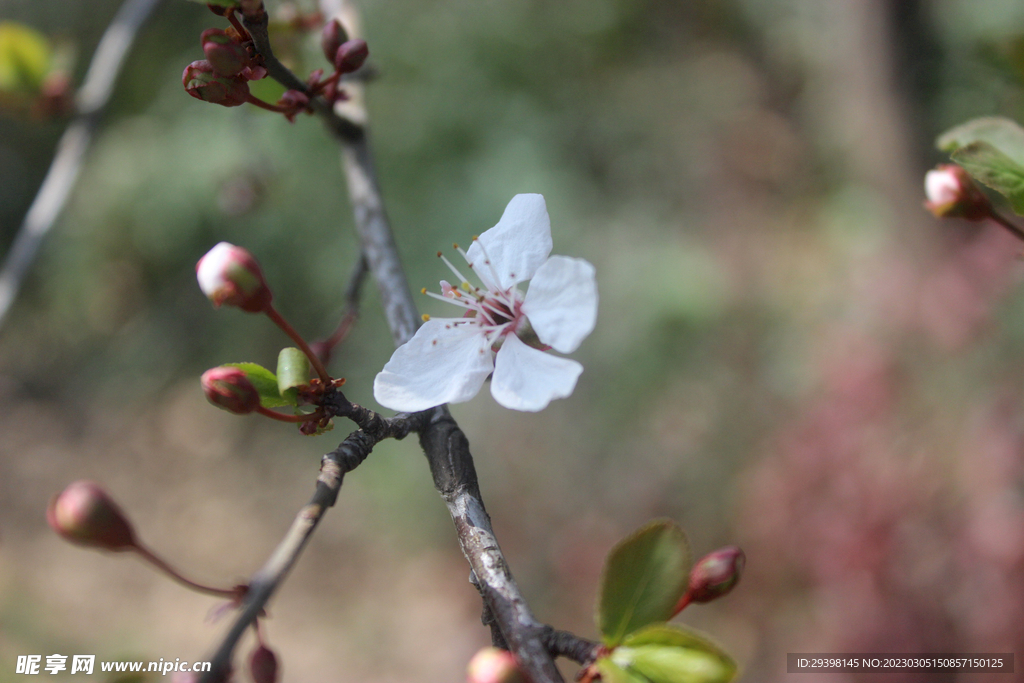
pixel 289 418
pixel 146 554
pixel 252 99
pixel 299 341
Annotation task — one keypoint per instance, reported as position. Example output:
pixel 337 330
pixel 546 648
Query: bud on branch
pixel 714 575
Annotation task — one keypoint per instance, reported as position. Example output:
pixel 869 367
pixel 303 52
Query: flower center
pixel 496 312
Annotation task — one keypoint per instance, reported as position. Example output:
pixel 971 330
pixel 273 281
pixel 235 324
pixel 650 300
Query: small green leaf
pixel 613 673
pixel 266 384
pixel 644 577
pixel 1002 133
pixel 991 167
pixel 25 56
pixel 292 372
pixel 668 664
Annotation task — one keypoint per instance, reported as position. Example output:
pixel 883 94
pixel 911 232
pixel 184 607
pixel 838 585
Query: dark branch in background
pixel 352 294
pixel 333 467
pixel 90 102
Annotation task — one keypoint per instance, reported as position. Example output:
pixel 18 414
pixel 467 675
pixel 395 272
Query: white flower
pixel 502 331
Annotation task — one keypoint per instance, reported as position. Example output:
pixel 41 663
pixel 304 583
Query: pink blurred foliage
pixel 872 522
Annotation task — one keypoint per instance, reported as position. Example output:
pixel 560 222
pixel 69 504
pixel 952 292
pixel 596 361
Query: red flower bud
pixel 230 275
pixel 201 82
pixel 263 665
pixel 491 665
pixel 952 193
pixel 83 513
pixel 331 38
pixel 228 388
pixel 716 574
pixel 227 57
pixel 351 55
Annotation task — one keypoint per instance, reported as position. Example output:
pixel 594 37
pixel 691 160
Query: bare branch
pixel 333 467
pixel 444 444
pixel 91 100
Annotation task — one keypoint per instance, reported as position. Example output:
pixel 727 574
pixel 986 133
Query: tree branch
pixel 90 102
pixel 443 443
pixel 333 467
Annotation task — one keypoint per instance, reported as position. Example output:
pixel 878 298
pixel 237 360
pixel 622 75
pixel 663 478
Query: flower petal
pixel 444 362
pixel 516 246
pixel 528 379
pixel 562 302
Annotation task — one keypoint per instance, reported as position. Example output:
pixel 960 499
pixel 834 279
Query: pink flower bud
pixel 331 38
pixel 83 513
pixel 351 55
pixel 228 388
pixel 201 82
pixel 227 57
pixel 263 665
pixel 230 275
pixel 716 574
pixel 491 665
pixel 952 193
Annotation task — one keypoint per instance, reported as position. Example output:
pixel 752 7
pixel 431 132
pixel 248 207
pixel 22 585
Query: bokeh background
pixel 790 354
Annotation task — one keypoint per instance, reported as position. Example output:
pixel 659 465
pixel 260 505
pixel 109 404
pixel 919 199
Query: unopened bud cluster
pixel 223 77
pixel 232 61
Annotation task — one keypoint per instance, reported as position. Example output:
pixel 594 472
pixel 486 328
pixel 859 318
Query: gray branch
pixel 90 101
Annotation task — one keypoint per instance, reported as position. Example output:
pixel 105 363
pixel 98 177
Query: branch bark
pixel 90 102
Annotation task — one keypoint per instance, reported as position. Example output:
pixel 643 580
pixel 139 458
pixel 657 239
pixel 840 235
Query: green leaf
pixel 1002 133
pixel 675 654
pixel 991 167
pixel 668 664
pixel 644 577
pixel 292 372
pixel 613 673
pixel 25 56
pixel 266 384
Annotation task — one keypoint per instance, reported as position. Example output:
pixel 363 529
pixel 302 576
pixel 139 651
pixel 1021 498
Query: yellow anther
pixel 465 286
pixel 438 254
pixel 455 246
pixel 425 317
pixel 476 237
pixel 423 291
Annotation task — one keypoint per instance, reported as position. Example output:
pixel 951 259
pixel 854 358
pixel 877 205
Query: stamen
pixel 425 317
pixel 450 300
pixel 462 278
pixel 487 262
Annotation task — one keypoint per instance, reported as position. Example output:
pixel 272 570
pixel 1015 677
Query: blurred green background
pixel 791 354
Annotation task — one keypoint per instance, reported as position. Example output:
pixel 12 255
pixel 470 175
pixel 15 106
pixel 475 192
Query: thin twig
pixel 333 467
pixel 352 295
pixel 90 102
pixel 570 645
